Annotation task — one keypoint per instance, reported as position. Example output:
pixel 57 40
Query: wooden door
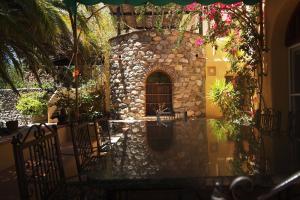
pixel 158 93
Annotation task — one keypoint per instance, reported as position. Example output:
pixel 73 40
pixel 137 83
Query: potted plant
pixel 33 104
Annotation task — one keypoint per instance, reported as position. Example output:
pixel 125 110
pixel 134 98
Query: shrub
pixel 32 104
pixel 222 129
pixel 226 98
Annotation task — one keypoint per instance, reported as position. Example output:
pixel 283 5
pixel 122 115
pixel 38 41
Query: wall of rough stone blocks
pixel 8 101
pixel 136 55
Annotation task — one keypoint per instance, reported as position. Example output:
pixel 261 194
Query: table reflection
pixel 175 149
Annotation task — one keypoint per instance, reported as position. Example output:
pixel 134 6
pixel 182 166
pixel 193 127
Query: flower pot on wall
pixel 12 125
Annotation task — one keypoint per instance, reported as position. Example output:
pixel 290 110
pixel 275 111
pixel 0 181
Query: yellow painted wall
pixel 217 59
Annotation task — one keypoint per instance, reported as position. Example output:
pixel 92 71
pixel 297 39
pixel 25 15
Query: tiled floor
pixel 8 184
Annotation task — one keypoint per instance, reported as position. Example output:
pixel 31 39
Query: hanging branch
pixel 89 18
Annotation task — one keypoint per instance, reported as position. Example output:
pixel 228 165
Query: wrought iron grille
pixel 38 162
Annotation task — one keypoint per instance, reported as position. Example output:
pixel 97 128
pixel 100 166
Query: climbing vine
pixel 239 25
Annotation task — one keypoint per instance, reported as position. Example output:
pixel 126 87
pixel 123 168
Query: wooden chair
pixel 102 135
pixel 268 121
pixel 86 156
pixel 39 165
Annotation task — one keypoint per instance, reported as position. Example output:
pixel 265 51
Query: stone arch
pixel 169 71
pixel 160 71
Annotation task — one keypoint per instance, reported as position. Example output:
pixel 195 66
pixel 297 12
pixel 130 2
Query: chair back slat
pixel 102 134
pixel 82 145
pixel 38 162
pixel 98 130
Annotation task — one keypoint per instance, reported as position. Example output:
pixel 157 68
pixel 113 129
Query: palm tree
pixel 28 34
pixel 34 31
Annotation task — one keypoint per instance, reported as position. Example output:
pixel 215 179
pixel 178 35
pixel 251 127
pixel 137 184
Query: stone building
pixel 150 70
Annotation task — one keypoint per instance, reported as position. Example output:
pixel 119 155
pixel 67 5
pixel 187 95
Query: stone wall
pixel 8 101
pixel 136 55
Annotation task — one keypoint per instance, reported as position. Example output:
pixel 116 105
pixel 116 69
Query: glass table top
pixel 148 150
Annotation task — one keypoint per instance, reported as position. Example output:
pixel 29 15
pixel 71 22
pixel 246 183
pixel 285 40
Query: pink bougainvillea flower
pixel 191 7
pixel 213 10
pixel 226 7
pixel 237 4
pixel 199 42
pixel 228 19
pixel 211 16
pixel 234 5
pixel 222 6
pixel 216 4
pixel 214 26
pixel 212 13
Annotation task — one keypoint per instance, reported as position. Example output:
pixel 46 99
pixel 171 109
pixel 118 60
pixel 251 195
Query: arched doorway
pixel 158 93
